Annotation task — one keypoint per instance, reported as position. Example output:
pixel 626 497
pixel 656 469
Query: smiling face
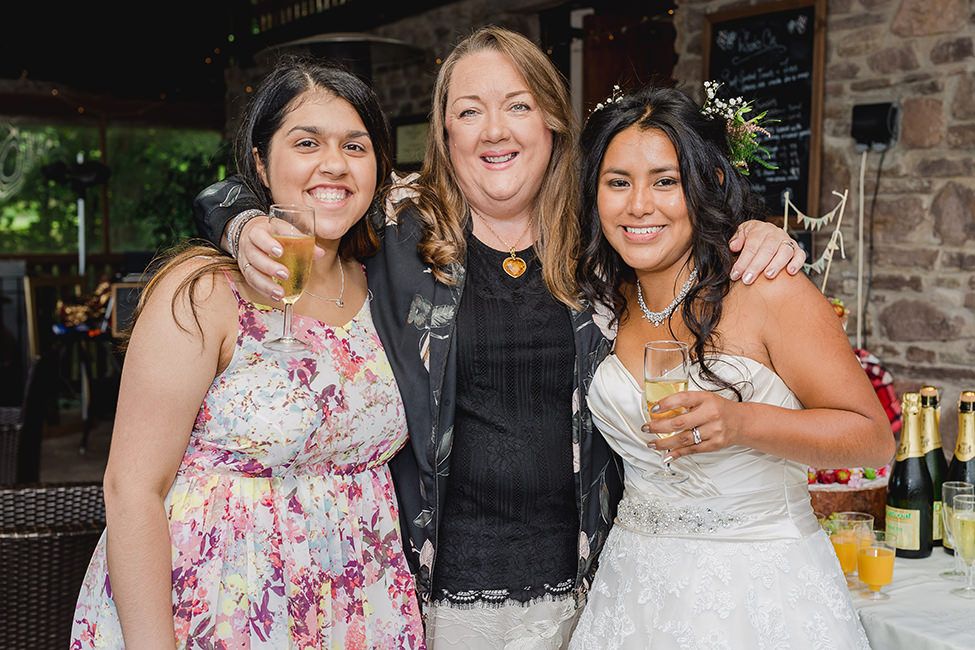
pixel 322 157
pixel 496 133
pixel 641 202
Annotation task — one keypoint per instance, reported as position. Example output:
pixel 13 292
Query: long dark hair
pixel 272 101
pixel 718 200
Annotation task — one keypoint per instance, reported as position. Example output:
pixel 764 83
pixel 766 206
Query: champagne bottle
pixel 934 456
pixel 962 467
pixel 909 490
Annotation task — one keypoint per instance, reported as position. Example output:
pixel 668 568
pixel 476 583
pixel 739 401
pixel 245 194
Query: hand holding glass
pixel 294 228
pixel 665 372
pixel 875 564
pixel 949 490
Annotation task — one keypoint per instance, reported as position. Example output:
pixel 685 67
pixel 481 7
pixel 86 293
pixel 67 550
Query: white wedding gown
pixel 731 558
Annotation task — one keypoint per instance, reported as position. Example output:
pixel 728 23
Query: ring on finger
pixel 246 266
pixel 788 242
pixel 697 436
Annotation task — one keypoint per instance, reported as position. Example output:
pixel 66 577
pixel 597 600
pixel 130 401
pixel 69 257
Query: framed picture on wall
pixel 409 142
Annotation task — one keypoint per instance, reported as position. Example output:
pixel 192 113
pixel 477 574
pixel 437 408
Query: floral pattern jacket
pixel 414 315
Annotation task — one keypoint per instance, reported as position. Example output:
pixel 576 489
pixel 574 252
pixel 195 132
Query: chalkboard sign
pixel 773 54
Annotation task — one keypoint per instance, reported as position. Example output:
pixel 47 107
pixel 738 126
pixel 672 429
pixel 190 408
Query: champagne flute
pixel 875 564
pixel 294 228
pixel 963 538
pixel 950 489
pixel 665 372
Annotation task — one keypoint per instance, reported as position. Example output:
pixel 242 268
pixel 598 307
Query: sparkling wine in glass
pixel 665 372
pixel 875 564
pixel 949 490
pixel 963 539
pixel 294 228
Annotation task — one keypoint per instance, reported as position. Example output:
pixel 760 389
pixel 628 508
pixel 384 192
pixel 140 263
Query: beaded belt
pixel 769 514
pixel 658 518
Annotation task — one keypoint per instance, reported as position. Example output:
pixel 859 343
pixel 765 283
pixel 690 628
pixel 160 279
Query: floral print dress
pixel 283 518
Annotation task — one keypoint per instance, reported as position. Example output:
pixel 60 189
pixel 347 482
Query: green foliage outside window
pixel 154 175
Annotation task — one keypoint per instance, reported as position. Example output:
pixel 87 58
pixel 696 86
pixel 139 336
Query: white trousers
pixel 544 625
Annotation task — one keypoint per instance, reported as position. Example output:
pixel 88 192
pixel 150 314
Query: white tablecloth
pixel 921 613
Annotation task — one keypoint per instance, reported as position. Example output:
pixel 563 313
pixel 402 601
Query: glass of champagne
pixel 665 372
pixel 949 490
pixel 875 564
pixel 963 539
pixel 851 531
pixel 294 228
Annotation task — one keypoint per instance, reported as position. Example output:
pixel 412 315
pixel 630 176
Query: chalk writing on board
pixel 768 58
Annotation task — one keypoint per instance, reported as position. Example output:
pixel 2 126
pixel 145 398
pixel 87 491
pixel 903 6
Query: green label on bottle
pixel 905 527
pixel 937 529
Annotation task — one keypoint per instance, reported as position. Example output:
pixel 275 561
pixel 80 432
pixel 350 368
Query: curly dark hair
pixel 718 200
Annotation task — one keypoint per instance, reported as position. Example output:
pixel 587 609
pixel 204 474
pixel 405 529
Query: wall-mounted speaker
pixel 875 126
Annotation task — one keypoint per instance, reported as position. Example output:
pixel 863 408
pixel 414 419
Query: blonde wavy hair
pixel 443 208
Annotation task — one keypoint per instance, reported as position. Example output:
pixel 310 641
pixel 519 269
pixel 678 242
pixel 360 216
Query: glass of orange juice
pixel 875 564
pixel 851 530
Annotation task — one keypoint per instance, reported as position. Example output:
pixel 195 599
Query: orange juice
pixel 845 545
pixel 875 566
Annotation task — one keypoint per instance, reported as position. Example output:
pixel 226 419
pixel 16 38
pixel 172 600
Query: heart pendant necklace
pixel 514 265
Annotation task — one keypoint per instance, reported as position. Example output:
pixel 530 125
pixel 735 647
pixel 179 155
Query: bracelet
pixel 236 227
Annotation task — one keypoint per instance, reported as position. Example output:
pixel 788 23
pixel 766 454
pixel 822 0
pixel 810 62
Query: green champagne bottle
pixel 962 467
pixel 934 456
pixel 909 490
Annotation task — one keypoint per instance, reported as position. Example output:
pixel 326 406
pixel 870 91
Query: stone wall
pixel 919 54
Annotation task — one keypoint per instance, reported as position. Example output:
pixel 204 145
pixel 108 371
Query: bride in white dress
pixel 733 557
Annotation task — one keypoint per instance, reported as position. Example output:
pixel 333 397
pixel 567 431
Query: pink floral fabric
pixel 283 518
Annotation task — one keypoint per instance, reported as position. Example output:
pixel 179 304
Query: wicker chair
pixel 21 428
pixel 47 536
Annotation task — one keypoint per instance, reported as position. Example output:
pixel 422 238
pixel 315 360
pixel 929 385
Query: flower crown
pixel 742 133
pixel 616 95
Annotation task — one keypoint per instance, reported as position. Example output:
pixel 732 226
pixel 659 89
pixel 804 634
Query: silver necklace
pixel 658 317
pixel 337 301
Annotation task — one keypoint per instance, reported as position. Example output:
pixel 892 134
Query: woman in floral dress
pixel 248 498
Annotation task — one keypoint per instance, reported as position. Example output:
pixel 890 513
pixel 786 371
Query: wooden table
pixel 921 613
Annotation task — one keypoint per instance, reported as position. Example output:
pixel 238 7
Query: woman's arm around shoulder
pixel 173 355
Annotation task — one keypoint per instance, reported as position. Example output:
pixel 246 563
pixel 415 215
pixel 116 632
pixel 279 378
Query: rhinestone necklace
pixel 337 301
pixel 514 265
pixel 658 317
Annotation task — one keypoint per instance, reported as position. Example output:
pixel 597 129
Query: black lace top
pixel 510 524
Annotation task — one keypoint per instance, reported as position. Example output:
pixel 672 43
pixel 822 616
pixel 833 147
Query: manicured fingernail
pixel 277 252
pixel 748 278
pixel 735 275
pixel 651 445
pixel 668 458
pixel 283 274
pixel 277 295
pixel 655 408
pixel 770 273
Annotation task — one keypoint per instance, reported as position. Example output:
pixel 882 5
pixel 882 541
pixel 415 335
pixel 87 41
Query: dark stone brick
pixel 842 70
pixel 870 84
pixel 953 210
pixel 955 50
pixel 922 259
pixel 915 354
pixel 895 220
pixel 922 122
pixel 916 320
pixel 926 17
pixel 893 59
pixel 856 21
pixel 897 282
pixel 945 167
pixel 962 137
pixel 963 105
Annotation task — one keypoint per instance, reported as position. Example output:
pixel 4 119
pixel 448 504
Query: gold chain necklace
pixel 514 265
